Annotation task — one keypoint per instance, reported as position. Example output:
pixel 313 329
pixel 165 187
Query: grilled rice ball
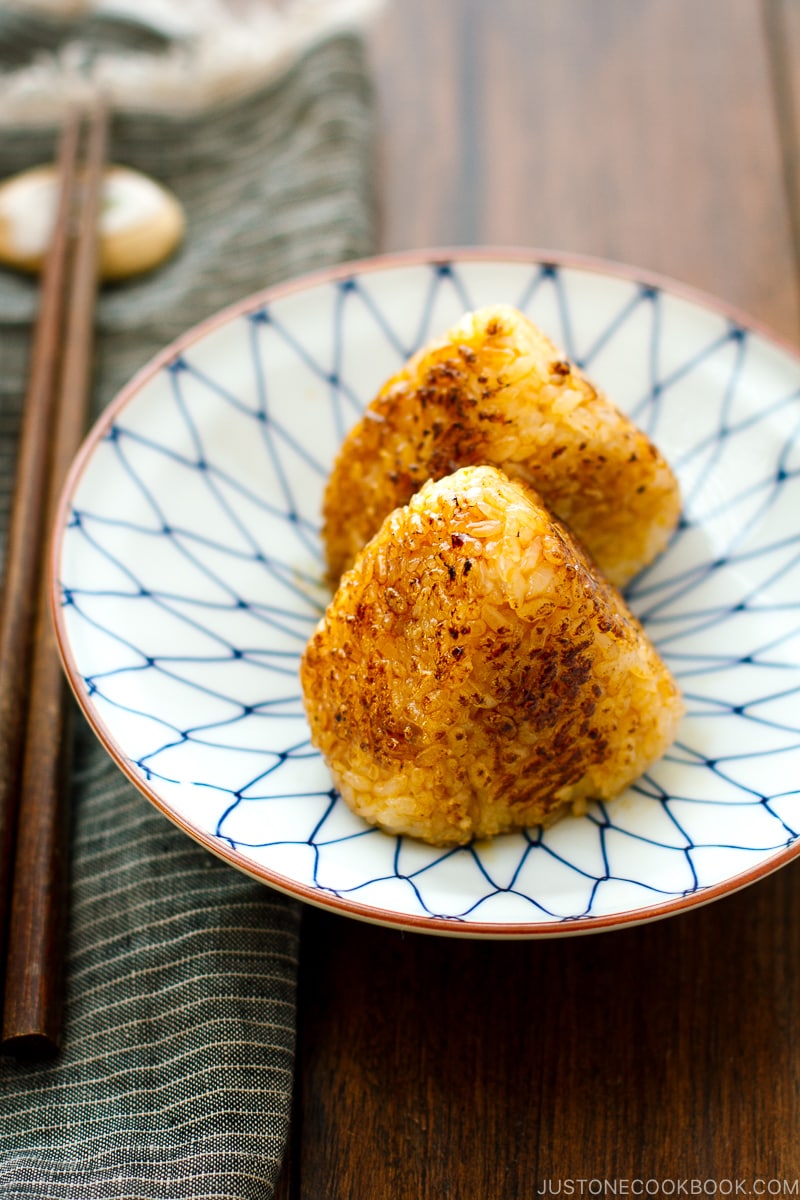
pixel 495 390
pixel 475 673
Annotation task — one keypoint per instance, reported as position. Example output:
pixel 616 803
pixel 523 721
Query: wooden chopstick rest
pixel 141 223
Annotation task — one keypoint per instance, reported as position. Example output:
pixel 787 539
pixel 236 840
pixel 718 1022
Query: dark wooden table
pixel 664 133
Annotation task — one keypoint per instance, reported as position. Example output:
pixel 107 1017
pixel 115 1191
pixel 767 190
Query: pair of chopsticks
pixel 34 736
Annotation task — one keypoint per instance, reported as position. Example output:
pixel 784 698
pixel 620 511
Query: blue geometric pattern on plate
pixel 190 579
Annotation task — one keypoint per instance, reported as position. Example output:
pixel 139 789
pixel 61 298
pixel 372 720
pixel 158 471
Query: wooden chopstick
pixel 23 558
pixel 34 951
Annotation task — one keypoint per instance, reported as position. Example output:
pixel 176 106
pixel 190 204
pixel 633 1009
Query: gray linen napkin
pixel 176 1070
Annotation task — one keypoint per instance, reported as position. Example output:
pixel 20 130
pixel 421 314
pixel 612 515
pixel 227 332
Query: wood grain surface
pixel 662 133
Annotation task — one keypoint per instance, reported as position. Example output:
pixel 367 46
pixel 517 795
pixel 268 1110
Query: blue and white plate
pixel 187 578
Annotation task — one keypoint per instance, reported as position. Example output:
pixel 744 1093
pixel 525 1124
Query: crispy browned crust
pixel 495 390
pixel 474 672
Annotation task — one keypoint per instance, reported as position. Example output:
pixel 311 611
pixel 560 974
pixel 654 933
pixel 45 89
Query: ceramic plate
pixel 187 579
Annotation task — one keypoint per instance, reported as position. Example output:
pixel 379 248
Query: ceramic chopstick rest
pixel 141 223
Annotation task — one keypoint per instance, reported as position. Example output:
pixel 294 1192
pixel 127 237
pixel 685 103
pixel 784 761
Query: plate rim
pixel 319 898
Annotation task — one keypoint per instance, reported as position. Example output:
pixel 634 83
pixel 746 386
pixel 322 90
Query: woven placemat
pixel 175 1075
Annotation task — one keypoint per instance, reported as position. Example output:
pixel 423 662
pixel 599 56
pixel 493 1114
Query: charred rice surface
pixel 495 390
pixel 475 673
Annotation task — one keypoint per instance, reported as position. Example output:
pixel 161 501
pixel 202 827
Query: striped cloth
pixel 176 1070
